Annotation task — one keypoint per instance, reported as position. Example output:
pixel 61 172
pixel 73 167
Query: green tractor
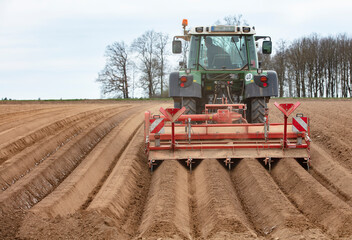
pixel 222 67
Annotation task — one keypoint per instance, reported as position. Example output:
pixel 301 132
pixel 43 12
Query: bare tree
pixel 114 77
pixel 150 48
pixel 145 47
pixel 349 57
pixel 233 20
pixel 161 44
pixel 281 66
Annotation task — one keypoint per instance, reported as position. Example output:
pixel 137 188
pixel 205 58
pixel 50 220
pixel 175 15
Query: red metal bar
pixel 222 106
pixel 146 131
pixel 227 124
pixel 212 136
pixel 223 142
pixel 222 116
pixel 173 136
pixel 285 131
pixel 216 117
pixel 256 146
pixel 146 124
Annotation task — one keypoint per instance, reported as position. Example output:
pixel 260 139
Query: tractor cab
pixel 222 48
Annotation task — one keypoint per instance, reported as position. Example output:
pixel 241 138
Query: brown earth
pixel 77 170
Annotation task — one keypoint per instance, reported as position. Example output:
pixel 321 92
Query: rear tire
pixel 257 110
pixel 190 104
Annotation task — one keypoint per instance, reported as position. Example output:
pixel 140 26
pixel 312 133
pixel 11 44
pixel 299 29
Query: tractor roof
pixel 222 29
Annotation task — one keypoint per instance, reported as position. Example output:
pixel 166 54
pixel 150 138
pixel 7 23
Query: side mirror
pixel 267 47
pixel 176 46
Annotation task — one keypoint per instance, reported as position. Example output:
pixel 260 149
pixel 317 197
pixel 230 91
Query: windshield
pixel 223 52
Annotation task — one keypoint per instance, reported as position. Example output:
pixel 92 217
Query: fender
pixel 254 90
pixel 190 89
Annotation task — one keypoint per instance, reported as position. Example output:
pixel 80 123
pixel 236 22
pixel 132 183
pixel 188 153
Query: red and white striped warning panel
pixel 157 125
pixel 299 124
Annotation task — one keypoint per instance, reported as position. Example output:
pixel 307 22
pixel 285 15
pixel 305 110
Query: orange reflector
pixel 183 79
pixel 263 79
pixel 182 85
pixel 184 22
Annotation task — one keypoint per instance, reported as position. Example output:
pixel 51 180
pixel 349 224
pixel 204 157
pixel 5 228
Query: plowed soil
pixel 78 171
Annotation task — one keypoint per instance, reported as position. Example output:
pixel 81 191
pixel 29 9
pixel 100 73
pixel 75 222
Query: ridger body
pixel 222 132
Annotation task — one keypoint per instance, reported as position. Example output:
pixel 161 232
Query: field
pixel 77 170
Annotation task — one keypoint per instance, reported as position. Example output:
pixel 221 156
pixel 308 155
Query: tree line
pixel 313 66
pixel 147 55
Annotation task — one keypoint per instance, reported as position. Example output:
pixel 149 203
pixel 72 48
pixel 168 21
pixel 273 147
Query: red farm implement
pixel 223 133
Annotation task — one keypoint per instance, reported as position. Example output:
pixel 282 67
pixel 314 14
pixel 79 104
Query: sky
pixel 54 49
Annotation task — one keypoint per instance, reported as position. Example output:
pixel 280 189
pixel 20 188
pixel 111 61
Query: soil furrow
pixel 331 174
pixel 15 114
pixel 195 230
pixel 78 188
pixel 21 126
pixel 116 217
pixel 22 163
pixel 124 193
pixel 46 177
pixel 79 171
pixel 270 211
pixel 167 214
pixel 13 147
pixel 219 211
pixel 317 203
pixel 5 118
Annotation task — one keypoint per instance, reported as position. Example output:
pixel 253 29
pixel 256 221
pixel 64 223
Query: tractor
pixel 222 67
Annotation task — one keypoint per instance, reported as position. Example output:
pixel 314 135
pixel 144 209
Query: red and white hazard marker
pixel 157 125
pixel 299 124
